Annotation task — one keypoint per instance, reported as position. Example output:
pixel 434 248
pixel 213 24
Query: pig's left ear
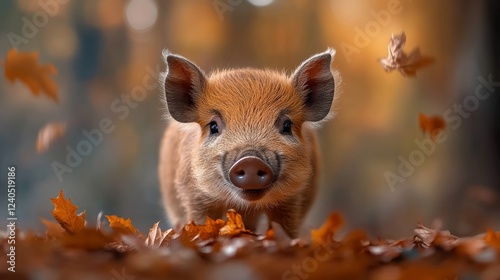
pixel 314 80
pixel 183 83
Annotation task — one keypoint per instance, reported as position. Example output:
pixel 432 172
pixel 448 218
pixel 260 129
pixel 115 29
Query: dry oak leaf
pixel 326 232
pixel 234 225
pixel 65 214
pixel 25 67
pixel 156 237
pixel 121 225
pixel 435 237
pixel 431 125
pixel 209 230
pixel 48 134
pixel 397 59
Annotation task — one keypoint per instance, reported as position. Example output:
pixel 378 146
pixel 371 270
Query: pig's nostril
pixel 251 173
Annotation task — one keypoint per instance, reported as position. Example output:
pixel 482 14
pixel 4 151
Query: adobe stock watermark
pixel 363 36
pixel 31 27
pixel 454 119
pixel 120 107
pixel 321 253
pixel 11 217
pixel 223 6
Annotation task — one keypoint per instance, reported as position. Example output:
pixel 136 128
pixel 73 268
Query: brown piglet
pixel 243 139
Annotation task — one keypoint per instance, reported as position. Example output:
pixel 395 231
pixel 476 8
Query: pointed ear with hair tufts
pixel 314 81
pixel 184 81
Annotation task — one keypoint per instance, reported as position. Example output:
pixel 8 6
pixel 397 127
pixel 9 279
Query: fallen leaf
pixel 25 67
pixel 121 225
pixel 48 134
pixel 493 239
pixel 54 230
pixel 234 225
pixel 211 228
pixel 88 239
pixel 397 59
pixel 471 246
pixel 434 236
pixel 327 231
pixel 431 125
pixel 65 214
pixel 270 234
pixel 207 231
pixel 156 237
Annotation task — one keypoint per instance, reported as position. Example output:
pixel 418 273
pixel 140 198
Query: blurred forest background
pixel 104 49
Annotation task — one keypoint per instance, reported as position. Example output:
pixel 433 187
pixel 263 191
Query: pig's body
pixel 243 139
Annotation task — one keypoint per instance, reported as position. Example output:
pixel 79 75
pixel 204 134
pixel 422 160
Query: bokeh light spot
pixel 260 3
pixel 141 14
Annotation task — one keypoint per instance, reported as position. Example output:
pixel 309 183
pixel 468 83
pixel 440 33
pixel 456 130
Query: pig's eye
pixel 214 128
pixel 287 127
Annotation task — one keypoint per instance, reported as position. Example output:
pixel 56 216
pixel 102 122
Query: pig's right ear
pixel 315 82
pixel 184 81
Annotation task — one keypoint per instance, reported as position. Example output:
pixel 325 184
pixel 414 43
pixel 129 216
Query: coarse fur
pixel 249 107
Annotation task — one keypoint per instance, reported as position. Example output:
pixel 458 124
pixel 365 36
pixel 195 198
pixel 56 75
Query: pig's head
pixel 254 143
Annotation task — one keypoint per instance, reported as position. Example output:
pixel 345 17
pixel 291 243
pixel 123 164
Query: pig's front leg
pixel 201 208
pixel 288 216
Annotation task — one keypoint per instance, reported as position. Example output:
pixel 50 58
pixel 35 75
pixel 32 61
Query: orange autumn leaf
pixel 209 230
pixel 431 125
pixel 88 239
pixel 492 238
pixel 54 230
pixel 48 134
pixel 25 67
pixel 270 234
pixel 234 225
pixel 65 214
pixel 121 225
pixel 326 232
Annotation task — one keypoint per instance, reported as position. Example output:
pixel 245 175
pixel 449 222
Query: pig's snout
pixel 251 173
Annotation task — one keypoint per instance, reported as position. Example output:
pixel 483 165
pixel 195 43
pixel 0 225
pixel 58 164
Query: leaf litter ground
pixel 71 249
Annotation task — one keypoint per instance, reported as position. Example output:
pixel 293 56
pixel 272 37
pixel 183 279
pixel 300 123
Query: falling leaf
pixel 234 225
pixel 397 59
pixel 326 232
pixel 48 134
pixel 25 67
pixel 156 237
pixel 431 125
pixel 121 225
pixel 65 214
